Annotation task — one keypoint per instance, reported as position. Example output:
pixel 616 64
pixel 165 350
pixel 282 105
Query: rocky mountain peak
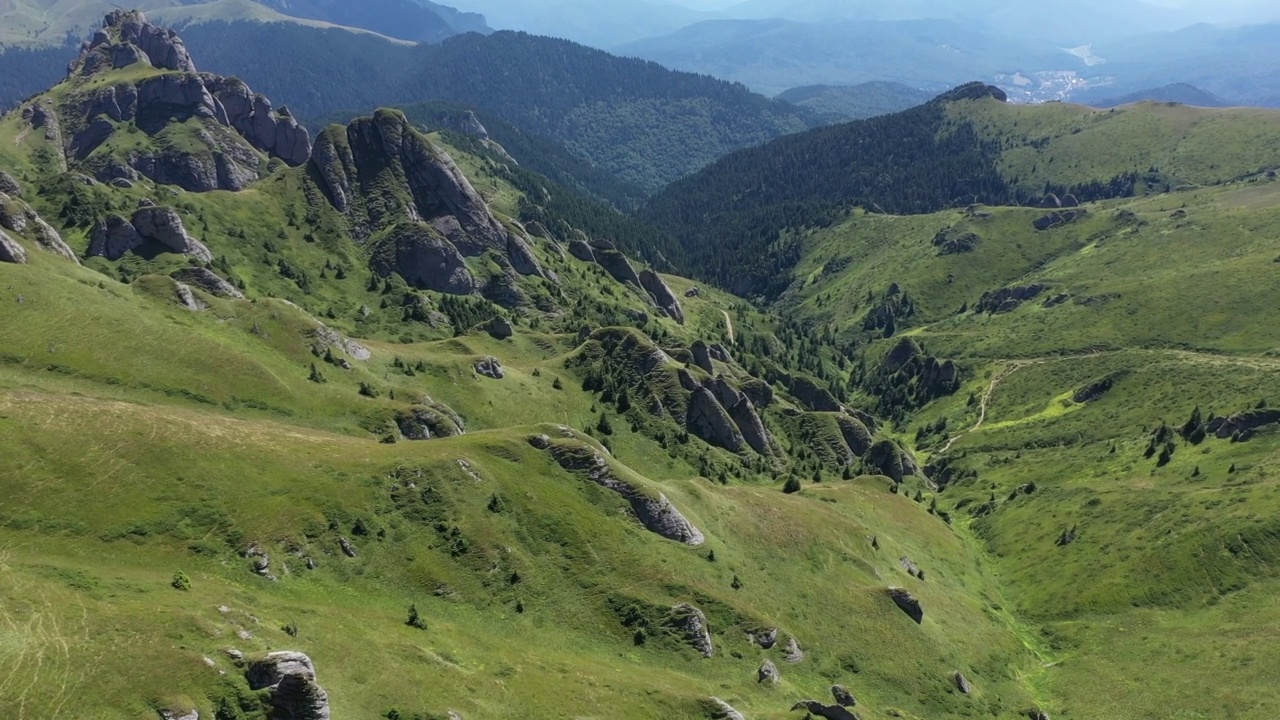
pixel 127 38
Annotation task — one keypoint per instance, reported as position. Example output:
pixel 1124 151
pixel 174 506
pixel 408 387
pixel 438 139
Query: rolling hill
pixel 856 102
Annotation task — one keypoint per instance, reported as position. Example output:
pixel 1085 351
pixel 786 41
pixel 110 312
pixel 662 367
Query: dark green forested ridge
pixel 637 120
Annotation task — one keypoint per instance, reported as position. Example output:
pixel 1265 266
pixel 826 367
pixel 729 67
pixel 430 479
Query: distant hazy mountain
pixel 855 102
pixel 772 56
pixel 417 20
pixel 600 23
pixel 1177 93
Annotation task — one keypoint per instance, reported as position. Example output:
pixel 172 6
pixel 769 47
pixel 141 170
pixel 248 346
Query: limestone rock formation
pixel 811 395
pixel 766 639
pixel 768 673
pixel 424 258
pixel 11 251
pixel 656 514
pixel 615 263
pixel 125 38
pixel 690 622
pixel 1007 299
pixel 662 295
pixel 702 356
pixel 274 132
pixel 290 679
pixel 430 420
pixel 752 427
pixel 907 603
pixel 9 186
pixel 952 242
pixel 490 367
pixel 721 710
pixel 499 328
pixel 962 682
pixel 24 222
pixel 581 250
pixel 347 548
pixel 707 419
pixel 187 298
pixel 830 712
pixel 1055 219
pixel 843 697
pixel 179 715
pixel 1242 425
pixel 855 434
pixel 792 651
pixel 207 281
pixel 886 457
pixel 114 236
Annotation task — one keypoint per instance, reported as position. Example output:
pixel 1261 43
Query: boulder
pixel 290 679
pixel 112 237
pixel 424 258
pixel 1007 299
pixel 907 603
pixel 499 328
pixel 347 548
pixel 962 682
pixel 768 673
pixel 163 225
pixel 766 639
pixel 1038 715
pixel 657 514
pixel 615 263
pixel 702 357
pixel 1055 219
pixel 690 622
pixel 952 242
pixel 721 710
pixel 11 251
pixel 662 295
pixel 830 712
pixel 207 281
pixel 720 353
pixel 707 419
pixel 751 427
pixel 489 367
pixel 693 292
pixel 187 298
pixel 1243 425
pixel 793 652
pixel 843 697
pixel 9 186
pixel 541 442
pixel 179 714
pixel 581 250
pixel 428 421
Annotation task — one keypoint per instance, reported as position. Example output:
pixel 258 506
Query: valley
pixel 527 395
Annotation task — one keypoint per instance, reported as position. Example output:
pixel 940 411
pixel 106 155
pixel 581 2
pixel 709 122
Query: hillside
pixel 965 147
pixel 1181 93
pixel 855 102
pixel 371 399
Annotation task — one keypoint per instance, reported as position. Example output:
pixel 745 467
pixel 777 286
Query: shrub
pixel 181 581
pixel 792 485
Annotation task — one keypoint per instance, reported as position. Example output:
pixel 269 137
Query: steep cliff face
pixel 133 106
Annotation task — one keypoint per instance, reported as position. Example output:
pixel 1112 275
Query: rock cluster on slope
pixel 23 222
pixel 114 236
pixel 290 679
pixel 690 622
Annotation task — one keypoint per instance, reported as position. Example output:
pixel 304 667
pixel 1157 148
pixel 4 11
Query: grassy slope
pixel 1166 599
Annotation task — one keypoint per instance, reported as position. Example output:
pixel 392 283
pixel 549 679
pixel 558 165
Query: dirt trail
pixel 728 323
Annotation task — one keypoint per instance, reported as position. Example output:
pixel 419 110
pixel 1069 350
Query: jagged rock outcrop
pixel 274 132
pixel 523 260
pixel 424 258
pixel 843 697
pixel 656 514
pixel 207 281
pixel 499 328
pixel 1055 219
pixel 690 622
pixel 581 250
pixel 430 420
pixel 811 395
pixel 830 712
pixel 662 294
pixel 886 458
pixel 766 639
pixel 20 218
pixel 720 353
pixel 907 603
pixel 187 298
pixel 1243 425
pixel 702 356
pixel 125 38
pixel 9 186
pixel 11 251
pixel 490 367
pixel 953 242
pixel 1007 299
pixel 114 236
pixel 615 263
pixel 751 427
pixel 721 710
pixel 768 673
pixel 353 164
pixel 290 679
pixel 707 419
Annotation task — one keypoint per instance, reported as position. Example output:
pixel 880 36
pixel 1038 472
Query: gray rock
pixel 721 710
pixel 541 442
pixel 907 603
pixel 425 259
pixel 693 292
pixel 11 251
pixel 499 327
pixel 662 295
pixel 581 250
pixel 615 263
pixel 22 219
pixel 842 696
pixel 347 548
pixel 126 38
pixel 179 714
pixel 430 420
pixel 1007 299
pixel 164 225
pixel 813 396
pixel 766 639
pixel 689 621
pixel 207 281
pixel 9 186
pixel 187 298
pixel 290 679
pixel 719 352
pixel 886 457
pixel 657 514
pixel 329 337
pixel 830 712
pixel 707 419
pixel 274 132
pixel 489 367
pixel 793 652
pixel 702 356
pixel 112 237
pixel 522 257
pixel 454 715
pixel 1055 219
pixel 907 564
pixel 687 380
pixel 1038 715
pixel 962 683
pixel 1243 425
pixel 768 673
pixel 752 427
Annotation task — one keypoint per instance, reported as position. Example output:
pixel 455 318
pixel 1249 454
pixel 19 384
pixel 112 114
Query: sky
pixel 1199 10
